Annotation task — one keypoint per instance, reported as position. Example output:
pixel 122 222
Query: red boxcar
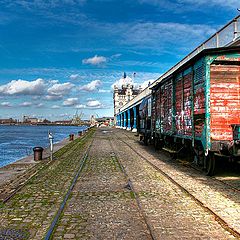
pixel 198 107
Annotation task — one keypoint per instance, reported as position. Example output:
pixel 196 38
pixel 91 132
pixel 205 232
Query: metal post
pixel 125 120
pixel 134 119
pixel 235 34
pixel 129 120
pixel 50 137
pixel 217 40
pixel 122 121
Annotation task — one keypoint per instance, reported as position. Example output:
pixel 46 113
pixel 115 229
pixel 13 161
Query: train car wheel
pixel 157 144
pixel 210 164
pixel 145 140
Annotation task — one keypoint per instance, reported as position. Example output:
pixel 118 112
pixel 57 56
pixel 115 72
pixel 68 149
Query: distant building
pixel 123 95
pixel 8 121
pixel 104 121
pixel 31 120
pixel 63 122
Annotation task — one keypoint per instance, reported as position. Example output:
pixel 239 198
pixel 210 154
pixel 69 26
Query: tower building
pixel 124 93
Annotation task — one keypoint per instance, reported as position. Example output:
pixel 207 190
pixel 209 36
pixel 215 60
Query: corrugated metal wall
pixel 224 100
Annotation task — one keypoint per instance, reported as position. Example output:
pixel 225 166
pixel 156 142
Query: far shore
pixel 43 124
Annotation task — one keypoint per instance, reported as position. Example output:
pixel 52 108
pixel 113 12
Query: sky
pixel 62 57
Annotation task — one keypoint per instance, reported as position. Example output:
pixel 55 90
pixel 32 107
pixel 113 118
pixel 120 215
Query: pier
pixel 107 185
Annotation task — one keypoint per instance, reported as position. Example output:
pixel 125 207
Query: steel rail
pixel 20 184
pixel 221 221
pixel 63 204
pixel 233 188
pixel 131 187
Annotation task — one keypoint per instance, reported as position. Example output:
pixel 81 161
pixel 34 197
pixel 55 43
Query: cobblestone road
pixel 220 198
pixel 32 209
pixel 102 206
pixel 172 213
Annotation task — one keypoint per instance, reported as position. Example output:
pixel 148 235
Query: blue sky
pixel 58 57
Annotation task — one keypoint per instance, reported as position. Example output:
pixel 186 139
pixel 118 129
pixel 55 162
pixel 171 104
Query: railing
pixel 226 36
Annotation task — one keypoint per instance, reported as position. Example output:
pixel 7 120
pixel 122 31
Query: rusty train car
pixel 197 109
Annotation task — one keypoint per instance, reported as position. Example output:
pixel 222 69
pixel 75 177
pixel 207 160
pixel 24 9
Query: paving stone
pixel 102 207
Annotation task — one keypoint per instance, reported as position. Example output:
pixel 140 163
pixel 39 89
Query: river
pixel 17 142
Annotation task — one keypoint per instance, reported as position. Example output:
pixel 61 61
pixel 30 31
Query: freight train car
pixel 198 108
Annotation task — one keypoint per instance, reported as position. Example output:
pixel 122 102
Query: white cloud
pixel 156 34
pixel 39 105
pixel 80 106
pixel 183 5
pixel 146 83
pixel 6 104
pixel 53 97
pixel 70 102
pixel 122 81
pixel 55 107
pixel 74 76
pixel 94 104
pixel 57 91
pixel 104 91
pixel 92 86
pixel 25 104
pixel 23 87
pixel 96 60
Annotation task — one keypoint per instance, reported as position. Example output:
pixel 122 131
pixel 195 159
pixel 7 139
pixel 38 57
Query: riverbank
pixel 17 142
pixel 15 169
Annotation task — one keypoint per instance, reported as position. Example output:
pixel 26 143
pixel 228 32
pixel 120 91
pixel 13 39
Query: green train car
pixel 198 108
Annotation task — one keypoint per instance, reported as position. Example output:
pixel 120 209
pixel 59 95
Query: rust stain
pixel 224 100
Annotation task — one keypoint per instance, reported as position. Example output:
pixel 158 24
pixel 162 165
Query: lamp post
pixel 50 137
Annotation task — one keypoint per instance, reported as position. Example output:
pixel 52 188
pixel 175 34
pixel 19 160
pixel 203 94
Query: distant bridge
pixel 228 36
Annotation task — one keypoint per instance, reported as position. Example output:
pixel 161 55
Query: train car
pixel 145 121
pixel 198 108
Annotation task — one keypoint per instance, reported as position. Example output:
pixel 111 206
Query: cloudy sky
pixel 60 56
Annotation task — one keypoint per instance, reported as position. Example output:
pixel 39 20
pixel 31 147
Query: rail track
pixel 220 220
pixel 129 186
pixel 9 189
pixel 66 197
pixel 214 178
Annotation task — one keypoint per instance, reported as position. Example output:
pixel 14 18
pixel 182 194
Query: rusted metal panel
pixel 199 99
pixel 224 100
pixel 183 103
pixel 179 105
pixel 166 106
pixel 187 103
pixel 157 109
pixel 199 92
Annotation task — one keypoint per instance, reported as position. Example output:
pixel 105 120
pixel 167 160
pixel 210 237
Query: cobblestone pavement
pixel 101 207
pixel 171 212
pixel 220 198
pixel 32 209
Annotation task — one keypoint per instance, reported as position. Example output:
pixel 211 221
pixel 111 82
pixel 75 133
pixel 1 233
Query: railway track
pixel 9 189
pixel 129 186
pixel 214 178
pixel 61 208
pixel 218 218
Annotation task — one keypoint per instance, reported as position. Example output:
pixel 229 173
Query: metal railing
pixel 226 36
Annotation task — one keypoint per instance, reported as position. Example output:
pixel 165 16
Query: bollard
pixel 80 133
pixel 71 137
pixel 37 152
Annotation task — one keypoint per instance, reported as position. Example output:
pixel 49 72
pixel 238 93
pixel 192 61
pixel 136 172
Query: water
pixel 18 141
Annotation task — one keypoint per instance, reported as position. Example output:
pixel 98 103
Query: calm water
pixel 18 141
